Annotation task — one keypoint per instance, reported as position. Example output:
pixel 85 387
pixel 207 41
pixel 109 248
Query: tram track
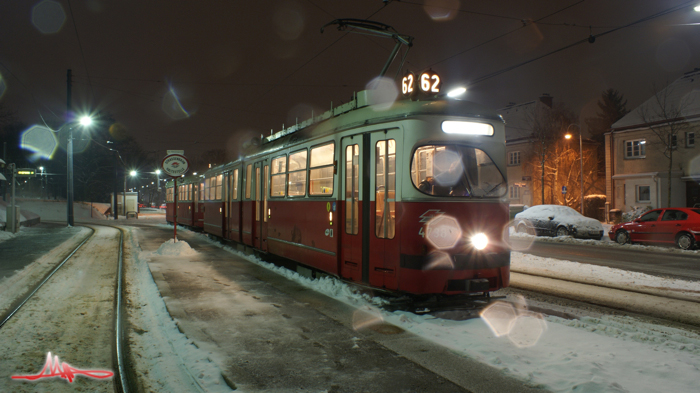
pixel 647 301
pixel 63 313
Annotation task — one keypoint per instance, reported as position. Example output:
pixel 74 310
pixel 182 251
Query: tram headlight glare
pixel 480 241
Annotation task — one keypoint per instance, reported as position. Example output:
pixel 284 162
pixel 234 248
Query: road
pixel 671 263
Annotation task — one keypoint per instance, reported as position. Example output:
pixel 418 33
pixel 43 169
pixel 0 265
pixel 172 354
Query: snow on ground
pixel 167 361
pixel 609 353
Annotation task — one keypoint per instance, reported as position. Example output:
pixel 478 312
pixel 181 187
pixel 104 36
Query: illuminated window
pixel 321 170
pixel 635 148
pixel 248 180
pixel 352 188
pixel 385 189
pixel 219 186
pixel 234 186
pixel 258 186
pixel 279 177
pixel 297 173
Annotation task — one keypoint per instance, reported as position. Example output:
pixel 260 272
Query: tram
pixel 407 197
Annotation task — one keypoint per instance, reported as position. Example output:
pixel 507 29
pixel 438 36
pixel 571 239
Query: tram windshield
pixel 456 171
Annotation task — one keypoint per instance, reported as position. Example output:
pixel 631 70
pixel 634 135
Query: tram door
pixel 371 187
pixel 265 213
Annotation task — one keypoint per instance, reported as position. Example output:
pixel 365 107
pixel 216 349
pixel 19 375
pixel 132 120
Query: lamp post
pixel 580 150
pixel 85 121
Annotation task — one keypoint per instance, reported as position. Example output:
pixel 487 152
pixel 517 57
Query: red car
pixel 677 225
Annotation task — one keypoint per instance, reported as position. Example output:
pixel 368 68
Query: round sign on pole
pixel 175 165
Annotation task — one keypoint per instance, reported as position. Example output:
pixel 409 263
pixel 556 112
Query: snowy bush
pixel 635 212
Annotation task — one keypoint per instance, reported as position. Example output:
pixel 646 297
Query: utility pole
pixel 69 149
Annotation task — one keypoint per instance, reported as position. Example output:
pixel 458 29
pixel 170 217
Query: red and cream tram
pixel 407 197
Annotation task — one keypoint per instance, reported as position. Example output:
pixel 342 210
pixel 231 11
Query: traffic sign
pixel 175 165
pixel 563 189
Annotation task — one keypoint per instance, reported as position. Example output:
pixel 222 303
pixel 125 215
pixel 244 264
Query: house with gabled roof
pixel 637 149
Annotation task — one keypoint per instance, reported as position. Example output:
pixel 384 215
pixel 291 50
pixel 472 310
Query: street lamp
pixel 580 150
pixel 84 121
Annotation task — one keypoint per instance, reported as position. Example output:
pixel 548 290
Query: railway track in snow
pixel 655 302
pixel 74 318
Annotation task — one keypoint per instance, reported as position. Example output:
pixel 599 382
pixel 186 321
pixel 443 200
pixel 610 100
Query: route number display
pixel 427 83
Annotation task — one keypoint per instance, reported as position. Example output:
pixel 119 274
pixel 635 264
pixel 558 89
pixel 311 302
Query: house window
pixel 673 141
pixel 514 192
pixel 689 139
pixel 514 158
pixel 643 194
pixel 635 148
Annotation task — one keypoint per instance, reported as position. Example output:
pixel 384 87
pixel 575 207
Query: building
pixel 638 147
pixel 518 146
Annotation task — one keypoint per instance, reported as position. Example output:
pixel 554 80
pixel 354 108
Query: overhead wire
pixel 589 39
pixel 80 45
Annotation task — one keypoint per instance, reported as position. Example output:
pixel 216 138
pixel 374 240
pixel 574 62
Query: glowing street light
pixel 580 150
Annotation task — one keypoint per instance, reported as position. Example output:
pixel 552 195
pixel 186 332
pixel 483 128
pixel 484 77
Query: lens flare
pixel 40 140
pixel 443 232
pixel 523 327
pixel 439 260
pixel 365 318
pixel 518 235
pixel 48 17
pixel 383 93
pixel 172 106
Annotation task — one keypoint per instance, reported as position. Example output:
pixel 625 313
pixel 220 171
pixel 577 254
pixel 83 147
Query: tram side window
pixel 297 173
pixel 207 188
pixel 201 191
pixel 219 186
pixel 385 193
pixel 248 180
pixel 321 170
pixel 234 186
pixel 279 177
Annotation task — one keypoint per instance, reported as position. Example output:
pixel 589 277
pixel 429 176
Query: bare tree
pixel 664 115
pixel 548 127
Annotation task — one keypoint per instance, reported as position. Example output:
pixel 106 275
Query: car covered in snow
pixel 557 220
pixel 678 225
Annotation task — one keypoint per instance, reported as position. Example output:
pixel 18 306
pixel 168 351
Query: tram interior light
pixel 466 128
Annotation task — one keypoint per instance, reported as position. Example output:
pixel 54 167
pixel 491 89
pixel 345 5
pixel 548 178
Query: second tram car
pixel 407 197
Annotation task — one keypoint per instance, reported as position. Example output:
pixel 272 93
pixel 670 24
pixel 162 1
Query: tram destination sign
pixel 175 165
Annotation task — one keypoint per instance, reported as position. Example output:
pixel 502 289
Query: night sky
pixel 242 68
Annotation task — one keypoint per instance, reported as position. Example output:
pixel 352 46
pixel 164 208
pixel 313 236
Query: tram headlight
pixel 480 241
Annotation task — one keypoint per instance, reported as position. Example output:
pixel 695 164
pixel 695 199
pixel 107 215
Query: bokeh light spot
pixel 439 260
pixel 289 21
pixel 523 327
pixel 441 10
pixel 527 329
pixel 517 237
pixel 48 16
pixel 40 140
pixel 448 167
pixel 118 131
pixel 443 232
pixel 383 93
pixel 498 317
pixel 366 318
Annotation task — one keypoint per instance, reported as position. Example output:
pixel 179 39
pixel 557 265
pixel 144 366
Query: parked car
pixel 677 225
pixel 142 205
pixel 557 220
pixel 163 206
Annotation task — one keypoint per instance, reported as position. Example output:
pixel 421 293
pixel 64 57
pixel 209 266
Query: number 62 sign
pixel 428 83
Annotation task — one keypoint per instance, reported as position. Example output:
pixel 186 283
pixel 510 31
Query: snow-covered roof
pixel 683 93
